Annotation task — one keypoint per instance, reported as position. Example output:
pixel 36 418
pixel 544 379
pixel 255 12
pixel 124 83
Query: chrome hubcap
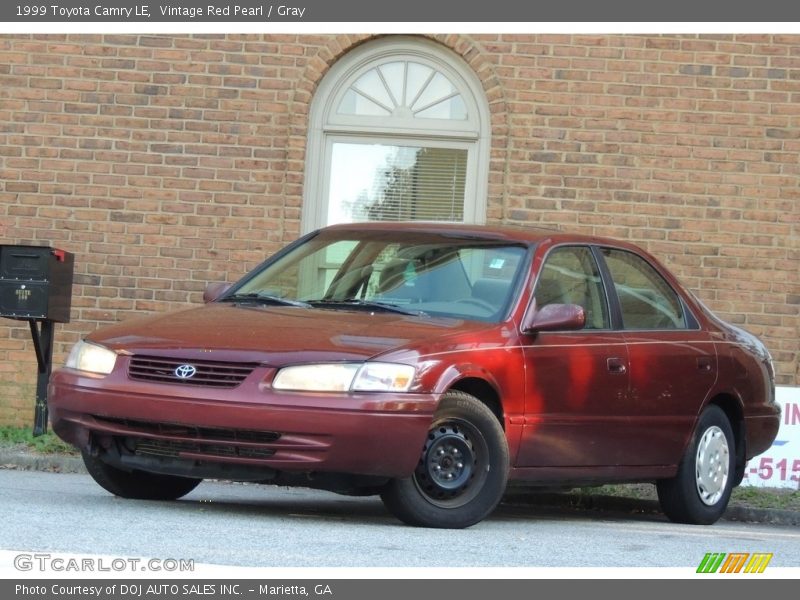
pixel 711 465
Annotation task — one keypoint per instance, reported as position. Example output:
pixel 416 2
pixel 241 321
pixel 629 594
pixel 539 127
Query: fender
pixel 512 402
pixel 455 373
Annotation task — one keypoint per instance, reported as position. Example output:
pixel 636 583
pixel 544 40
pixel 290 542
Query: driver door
pixel 576 381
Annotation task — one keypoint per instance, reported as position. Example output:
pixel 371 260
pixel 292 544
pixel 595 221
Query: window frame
pixel 611 308
pixel 326 127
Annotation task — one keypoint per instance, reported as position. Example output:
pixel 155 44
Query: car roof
pixel 519 234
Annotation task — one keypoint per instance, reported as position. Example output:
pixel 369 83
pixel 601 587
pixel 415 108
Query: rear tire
pixel 700 491
pixel 137 485
pixel 462 472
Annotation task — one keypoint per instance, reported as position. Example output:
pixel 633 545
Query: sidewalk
pixel 61 463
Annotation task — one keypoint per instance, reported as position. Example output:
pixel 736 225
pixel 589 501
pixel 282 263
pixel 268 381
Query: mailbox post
pixel 36 286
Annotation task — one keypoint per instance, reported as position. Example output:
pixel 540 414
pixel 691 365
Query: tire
pixel 446 491
pixel 138 485
pixel 700 491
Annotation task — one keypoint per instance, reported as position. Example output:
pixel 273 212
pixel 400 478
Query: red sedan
pixel 429 364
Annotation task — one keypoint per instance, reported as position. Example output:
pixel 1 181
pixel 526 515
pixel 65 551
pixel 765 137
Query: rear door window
pixel 646 300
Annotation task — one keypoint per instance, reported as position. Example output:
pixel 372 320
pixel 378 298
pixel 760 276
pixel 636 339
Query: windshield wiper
pixel 265 298
pixel 367 305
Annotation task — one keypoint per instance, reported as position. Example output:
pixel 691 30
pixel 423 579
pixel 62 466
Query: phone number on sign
pixel 767 468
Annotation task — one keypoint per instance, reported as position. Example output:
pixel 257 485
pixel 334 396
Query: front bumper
pixel 376 434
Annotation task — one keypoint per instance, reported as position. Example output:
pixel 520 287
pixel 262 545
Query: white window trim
pixel 473 134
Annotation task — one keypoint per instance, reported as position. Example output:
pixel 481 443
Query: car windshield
pixel 423 274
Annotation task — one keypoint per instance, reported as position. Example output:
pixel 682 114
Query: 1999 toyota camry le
pixel 430 364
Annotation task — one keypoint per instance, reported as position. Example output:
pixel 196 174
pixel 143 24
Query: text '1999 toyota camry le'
pixel 430 364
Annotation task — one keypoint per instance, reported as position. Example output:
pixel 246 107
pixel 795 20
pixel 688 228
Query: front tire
pixel 462 472
pixel 700 491
pixel 137 485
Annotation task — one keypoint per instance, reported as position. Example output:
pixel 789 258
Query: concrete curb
pixel 62 463
pixel 621 504
pixel 58 463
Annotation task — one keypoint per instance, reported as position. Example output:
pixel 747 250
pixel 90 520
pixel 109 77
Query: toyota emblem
pixel 185 371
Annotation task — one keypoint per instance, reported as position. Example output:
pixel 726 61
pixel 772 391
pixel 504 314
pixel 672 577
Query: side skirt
pixel 591 475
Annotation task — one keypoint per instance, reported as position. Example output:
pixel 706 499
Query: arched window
pixel 398 131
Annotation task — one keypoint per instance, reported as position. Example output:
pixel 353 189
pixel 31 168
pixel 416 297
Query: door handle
pixel 616 366
pixel 704 363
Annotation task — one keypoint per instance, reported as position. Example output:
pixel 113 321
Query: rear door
pixel 673 363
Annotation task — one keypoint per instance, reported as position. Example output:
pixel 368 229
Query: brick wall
pixel 166 162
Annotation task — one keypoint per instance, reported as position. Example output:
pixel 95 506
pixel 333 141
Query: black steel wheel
pixel 700 491
pixel 462 471
pixel 137 485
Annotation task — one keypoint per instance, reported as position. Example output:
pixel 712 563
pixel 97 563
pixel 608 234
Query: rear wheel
pixel 138 485
pixel 462 471
pixel 699 492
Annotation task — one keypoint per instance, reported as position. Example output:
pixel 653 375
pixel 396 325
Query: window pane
pixel 646 300
pixel 570 276
pixel 416 77
pixel 383 182
pixel 437 90
pixel 371 85
pixel 394 74
pixel 451 108
pixel 354 103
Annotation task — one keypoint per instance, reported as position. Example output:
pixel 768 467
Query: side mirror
pixel 555 317
pixel 215 290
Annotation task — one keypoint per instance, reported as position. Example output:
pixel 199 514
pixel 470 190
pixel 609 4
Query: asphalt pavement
pixel 246 525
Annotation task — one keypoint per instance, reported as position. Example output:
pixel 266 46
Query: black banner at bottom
pixel 372 589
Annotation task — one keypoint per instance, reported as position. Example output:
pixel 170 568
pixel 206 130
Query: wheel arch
pixel 484 391
pixel 733 409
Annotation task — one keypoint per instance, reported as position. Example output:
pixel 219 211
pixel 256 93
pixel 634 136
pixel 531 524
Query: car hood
pixel 277 335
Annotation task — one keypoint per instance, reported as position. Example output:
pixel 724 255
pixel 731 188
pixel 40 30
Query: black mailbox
pixel 35 283
pixel 36 286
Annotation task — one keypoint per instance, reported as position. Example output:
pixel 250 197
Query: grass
pixel 21 438
pixel 783 498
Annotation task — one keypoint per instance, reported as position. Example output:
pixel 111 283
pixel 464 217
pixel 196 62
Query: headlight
pixel 343 377
pixel 383 377
pixel 316 378
pixel 92 358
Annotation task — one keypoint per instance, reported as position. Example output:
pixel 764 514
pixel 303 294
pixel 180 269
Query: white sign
pixel 780 465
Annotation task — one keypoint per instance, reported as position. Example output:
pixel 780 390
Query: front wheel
pixel 699 492
pixel 138 485
pixel 462 471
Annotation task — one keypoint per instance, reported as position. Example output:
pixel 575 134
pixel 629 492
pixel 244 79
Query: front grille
pixel 208 373
pixel 173 449
pixel 201 434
